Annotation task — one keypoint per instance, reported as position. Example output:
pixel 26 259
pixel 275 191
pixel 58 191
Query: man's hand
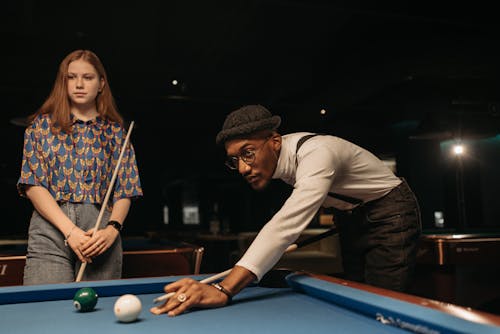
pixel 190 293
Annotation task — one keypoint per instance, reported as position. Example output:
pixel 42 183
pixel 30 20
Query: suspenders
pixel 348 199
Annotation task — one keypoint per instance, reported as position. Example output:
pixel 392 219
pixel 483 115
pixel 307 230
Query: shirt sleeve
pixel 128 184
pixel 314 176
pixel 33 171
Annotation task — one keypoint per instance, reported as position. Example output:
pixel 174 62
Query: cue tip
pixel 205 281
pixel 164 297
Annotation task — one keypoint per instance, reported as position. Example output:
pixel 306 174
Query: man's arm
pixel 203 295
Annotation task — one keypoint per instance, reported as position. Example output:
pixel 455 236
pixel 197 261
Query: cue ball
pixel 85 299
pixel 127 308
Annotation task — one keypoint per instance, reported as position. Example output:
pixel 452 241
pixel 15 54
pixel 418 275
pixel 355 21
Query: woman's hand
pixel 98 243
pixel 75 240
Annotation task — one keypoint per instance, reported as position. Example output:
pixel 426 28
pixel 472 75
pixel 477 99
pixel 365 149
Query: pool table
pixel 142 257
pixel 309 304
pixel 461 269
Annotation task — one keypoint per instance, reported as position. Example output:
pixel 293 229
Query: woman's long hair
pixel 58 103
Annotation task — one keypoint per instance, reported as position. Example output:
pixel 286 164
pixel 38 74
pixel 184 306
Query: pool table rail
pixel 395 308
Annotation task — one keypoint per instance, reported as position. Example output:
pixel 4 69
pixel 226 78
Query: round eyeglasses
pixel 246 155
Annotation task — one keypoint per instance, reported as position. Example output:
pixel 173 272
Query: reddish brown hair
pixel 58 102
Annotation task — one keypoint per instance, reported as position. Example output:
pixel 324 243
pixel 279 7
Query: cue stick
pixel 290 248
pixel 108 193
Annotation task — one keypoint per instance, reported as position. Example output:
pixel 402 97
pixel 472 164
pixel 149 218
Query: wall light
pixel 458 149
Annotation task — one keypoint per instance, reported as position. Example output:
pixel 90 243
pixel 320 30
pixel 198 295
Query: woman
pixel 71 149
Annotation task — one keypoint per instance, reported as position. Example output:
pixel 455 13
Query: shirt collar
pixel 97 120
pixel 285 168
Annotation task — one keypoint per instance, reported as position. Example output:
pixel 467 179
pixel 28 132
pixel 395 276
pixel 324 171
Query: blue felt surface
pixel 256 310
pixel 313 306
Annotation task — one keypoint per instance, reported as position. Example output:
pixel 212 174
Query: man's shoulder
pixel 316 137
pixel 297 134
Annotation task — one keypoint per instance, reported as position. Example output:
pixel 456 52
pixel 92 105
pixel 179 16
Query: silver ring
pixel 181 298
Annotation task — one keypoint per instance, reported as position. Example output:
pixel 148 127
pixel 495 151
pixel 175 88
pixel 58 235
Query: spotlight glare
pixel 322 111
pixel 175 82
pixel 458 149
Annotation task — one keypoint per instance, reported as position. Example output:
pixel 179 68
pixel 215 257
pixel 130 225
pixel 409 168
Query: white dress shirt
pixel 323 164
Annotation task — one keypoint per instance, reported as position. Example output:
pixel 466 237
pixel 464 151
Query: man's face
pixel 255 158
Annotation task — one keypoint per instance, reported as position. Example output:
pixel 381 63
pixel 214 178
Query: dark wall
pixel 381 72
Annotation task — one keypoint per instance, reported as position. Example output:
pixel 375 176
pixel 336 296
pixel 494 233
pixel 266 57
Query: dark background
pixel 402 80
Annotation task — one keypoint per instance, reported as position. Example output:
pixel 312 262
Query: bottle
pixel 165 214
pixel 214 224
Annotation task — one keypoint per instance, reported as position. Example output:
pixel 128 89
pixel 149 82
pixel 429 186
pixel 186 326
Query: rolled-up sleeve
pixel 32 166
pixel 128 184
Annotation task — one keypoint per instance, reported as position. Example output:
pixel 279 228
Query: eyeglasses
pixel 247 156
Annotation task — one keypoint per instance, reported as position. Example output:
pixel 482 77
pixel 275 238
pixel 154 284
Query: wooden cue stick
pixel 290 248
pixel 108 193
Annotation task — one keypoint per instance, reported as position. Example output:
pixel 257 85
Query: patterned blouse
pixel 78 167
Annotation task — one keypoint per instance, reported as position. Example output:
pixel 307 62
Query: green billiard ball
pixel 85 299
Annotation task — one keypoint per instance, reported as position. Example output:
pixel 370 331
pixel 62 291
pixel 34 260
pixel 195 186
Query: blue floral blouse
pixel 78 166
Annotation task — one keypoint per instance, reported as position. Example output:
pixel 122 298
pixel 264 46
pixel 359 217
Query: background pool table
pixel 142 257
pixel 311 304
pixel 461 269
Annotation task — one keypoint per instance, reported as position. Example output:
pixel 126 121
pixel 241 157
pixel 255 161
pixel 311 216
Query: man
pixel 376 213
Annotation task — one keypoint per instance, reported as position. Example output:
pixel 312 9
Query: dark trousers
pixel 379 239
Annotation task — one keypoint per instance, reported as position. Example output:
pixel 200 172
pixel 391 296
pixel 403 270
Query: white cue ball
pixel 127 308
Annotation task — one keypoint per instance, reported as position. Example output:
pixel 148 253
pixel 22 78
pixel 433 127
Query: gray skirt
pixel 49 260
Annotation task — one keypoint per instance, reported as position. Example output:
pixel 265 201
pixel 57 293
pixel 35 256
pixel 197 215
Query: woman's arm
pixel 103 239
pixel 48 208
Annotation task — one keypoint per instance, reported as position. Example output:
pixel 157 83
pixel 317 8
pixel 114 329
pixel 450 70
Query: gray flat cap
pixel 247 120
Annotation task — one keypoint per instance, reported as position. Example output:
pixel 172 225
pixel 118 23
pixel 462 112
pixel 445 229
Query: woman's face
pixel 84 83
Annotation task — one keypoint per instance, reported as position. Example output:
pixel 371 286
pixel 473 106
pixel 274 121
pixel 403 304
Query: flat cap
pixel 247 120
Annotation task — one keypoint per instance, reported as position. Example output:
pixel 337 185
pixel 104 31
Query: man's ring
pixel 182 298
